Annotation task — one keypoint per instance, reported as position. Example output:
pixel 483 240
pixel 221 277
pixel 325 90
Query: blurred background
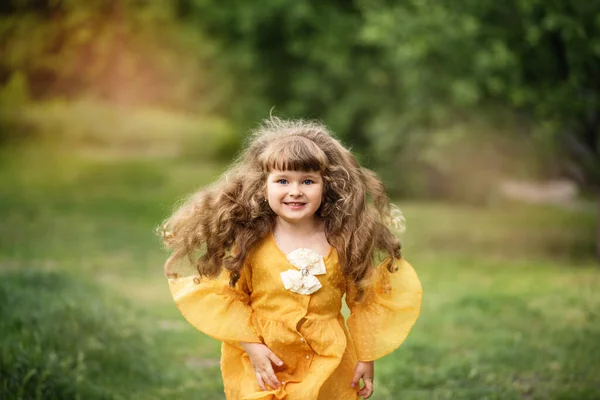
pixel 482 117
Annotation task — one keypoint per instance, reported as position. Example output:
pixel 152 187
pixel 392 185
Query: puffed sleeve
pixel 215 308
pixel 380 322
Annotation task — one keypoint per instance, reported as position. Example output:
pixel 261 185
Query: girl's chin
pixel 296 218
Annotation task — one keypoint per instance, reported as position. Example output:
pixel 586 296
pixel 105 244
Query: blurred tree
pixel 540 57
pixel 127 52
pixel 324 60
pixel 305 58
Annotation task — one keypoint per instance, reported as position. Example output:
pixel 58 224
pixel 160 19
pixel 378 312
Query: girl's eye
pixel 308 182
pixel 282 181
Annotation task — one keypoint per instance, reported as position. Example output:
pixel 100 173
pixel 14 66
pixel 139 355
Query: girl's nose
pixel 295 190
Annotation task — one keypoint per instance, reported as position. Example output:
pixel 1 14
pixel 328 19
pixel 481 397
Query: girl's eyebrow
pixel 312 176
pixel 283 174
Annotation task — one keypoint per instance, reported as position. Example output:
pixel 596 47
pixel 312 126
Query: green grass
pixel 511 306
pixel 62 340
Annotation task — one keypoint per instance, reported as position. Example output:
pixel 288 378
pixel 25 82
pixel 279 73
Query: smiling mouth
pixel 294 204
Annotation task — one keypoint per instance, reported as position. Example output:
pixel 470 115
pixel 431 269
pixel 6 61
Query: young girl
pixel 294 225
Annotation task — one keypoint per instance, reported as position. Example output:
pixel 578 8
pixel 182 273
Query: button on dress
pixel 307 332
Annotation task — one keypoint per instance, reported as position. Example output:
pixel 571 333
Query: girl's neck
pixel 305 228
pixel 308 235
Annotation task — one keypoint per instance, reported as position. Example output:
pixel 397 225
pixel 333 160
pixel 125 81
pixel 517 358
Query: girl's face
pixel 295 196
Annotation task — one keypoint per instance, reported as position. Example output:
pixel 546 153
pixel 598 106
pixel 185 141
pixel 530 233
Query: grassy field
pixel 511 301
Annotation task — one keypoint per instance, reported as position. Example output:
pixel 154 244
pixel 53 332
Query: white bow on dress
pixel 303 280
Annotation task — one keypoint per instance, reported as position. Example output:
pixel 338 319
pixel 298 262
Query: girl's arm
pixel 262 359
pixel 366 371
pixel 215 308
pixel 380 322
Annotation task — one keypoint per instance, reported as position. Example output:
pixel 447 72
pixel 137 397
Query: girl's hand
pixel 366 371
pixel 262 359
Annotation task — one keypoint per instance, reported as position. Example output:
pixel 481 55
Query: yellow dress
pixel 307 332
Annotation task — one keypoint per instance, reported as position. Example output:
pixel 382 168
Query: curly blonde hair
pixel 219 225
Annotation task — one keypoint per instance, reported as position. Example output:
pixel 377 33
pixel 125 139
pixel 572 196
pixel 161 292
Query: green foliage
pixel 535 56
pixel 302 58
